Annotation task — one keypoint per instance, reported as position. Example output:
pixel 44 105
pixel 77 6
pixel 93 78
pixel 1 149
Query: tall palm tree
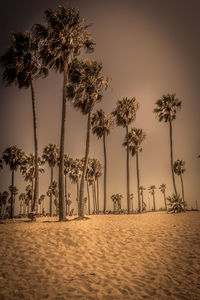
pixel 50 155
pixel 13 157
pixel 101 124
pixel 125 113
pixel 134 141
pixel 162 188
pixel 85 90
pixel 166 109
pixel 152 192
pixel 22 67
pixel 63 37
pixel 179 169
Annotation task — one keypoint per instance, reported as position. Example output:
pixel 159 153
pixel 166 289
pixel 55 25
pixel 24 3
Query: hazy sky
pixel 148 48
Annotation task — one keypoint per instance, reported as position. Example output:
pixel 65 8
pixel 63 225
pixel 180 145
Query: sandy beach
pixel 147 256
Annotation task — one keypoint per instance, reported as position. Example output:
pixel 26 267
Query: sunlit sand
pixel 148 256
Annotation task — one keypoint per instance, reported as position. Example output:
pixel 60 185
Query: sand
pixel 148 256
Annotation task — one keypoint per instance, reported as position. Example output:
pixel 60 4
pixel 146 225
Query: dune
pixel 147 256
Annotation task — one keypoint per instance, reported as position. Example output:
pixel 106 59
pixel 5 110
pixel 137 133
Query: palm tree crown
pixel 135 138
pixel 125 111
pixel 50 155
pixel 179 167
pixel 167 107
pixel 162 187
pixel 101 123
pixel 13 156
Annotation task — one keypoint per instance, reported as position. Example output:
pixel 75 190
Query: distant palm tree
pixel 3 199
pixel 86 87
pixel 28 200
pixel 125 113
pixel 22 198
pixel 27 168
pixel 50 155
pixel 13 157
pixel 22 67
pixel 162 188
pixel 142 189
pixel 134 141
pixel 67 167
pixel 116 198
pixel 68 203
pixel 75 173
pixel 166 110
pixel 179 169
pixel 101 124
pixel 41 200
pixel 63 37
pixel 152 192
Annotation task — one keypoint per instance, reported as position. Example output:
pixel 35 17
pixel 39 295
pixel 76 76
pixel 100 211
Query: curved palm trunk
pixel 171 156
pixel 51 195
pixel 88 192
pixel 12 197
pixel 36 175
pixel 62 204
pixel 81 201
pixel 182 187
pixel 138 182
pixel 127 174
pixel 105 172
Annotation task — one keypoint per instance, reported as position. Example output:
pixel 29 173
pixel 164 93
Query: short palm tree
pixel 50 155
pixel 179 169
pixel 166 109
pixel 22 67
pixel 3 199
pixel 142 189
pixel 162 188
pixel 176 204
pixel 135 138
pixel 101 124
pixel 63 37
pixel 87 84
pixel 13 157
pixel 152 192
pixel 67 167
pixel 116 198
pixel 125 113
pixel 75 173
pixel 22 198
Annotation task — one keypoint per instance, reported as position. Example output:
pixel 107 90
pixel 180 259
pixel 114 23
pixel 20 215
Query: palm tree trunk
pixel 77 190
pixel 12 197
pixel 67 211
pixel 81 201
pixel 88 192
pixel 127 173
pixel 94 197
pixel 36 188
pixel 97 196
pixel 51 196
pixel 62 204
pixel 171 156
pixel 165 200
pixel 182 187
pixel 142 200
pixel 105 172
pixel 154 202
pixel 138 183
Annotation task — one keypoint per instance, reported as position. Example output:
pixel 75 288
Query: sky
pixel 147 48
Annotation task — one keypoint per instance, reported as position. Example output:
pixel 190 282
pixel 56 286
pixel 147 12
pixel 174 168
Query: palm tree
pixel 41 200
pixel 27 168
pixel 162 188
pixel 13 157
pixel 22 67
pixel 142 189
pixel 101 124
pixel 125 113
pixel 176 204
pixel 166 110
pixel 85 90
pixel 63 37
pixel 116 198
pixel 22 198
pixel 75 174
pixel 67 167
pixel 68 203
pixel 152 192
pixel 179 169
pixel 50 155
pixel 3 200
pixel 134 141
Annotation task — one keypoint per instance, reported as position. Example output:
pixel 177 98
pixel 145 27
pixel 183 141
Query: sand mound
pixel 148 256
